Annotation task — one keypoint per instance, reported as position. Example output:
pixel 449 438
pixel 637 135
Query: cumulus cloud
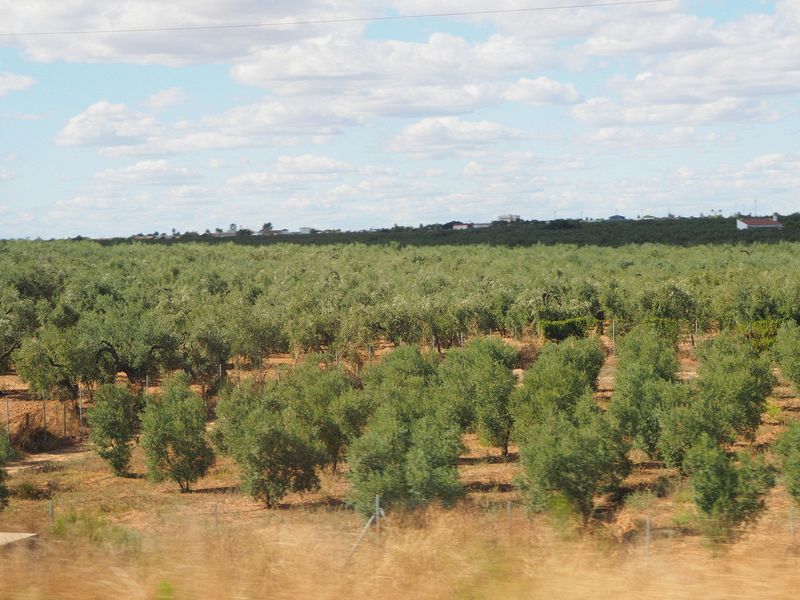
pixel 445 137
pixel 166 99
pixel 107 124
pixel 542 90
pixel 147 172
pixel 12 82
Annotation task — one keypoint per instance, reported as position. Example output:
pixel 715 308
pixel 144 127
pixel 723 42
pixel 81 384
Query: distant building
pixel 305 230
pixel 461 226
pixel 617 218
pixel 481 225
pixel 743 223
pixel 508 218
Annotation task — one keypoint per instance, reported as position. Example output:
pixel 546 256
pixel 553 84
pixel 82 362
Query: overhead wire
pixel 499 11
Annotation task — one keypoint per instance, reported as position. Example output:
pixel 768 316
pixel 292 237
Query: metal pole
pixel 647 535
pixel 64 407
pixel 360 537
pixel 80 409
pixel 44 419
pixel 378 518
pixel 8 419
pixel 510 525
pixel 793 524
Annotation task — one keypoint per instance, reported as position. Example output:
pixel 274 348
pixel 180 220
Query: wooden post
pixel 64 407
pixel 44 419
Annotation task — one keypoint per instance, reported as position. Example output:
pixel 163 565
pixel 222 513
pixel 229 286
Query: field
pixel 103 536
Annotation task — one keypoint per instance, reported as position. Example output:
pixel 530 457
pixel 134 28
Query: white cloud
pixel 7 175
pixel 147 172
pixel 444 137
pixel 106 124
pixel 173 48
pixel 605 111
pixel 542 90
pixel 11 82
pixel 166 99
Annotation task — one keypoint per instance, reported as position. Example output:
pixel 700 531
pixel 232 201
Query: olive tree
pixel 576 456
pixel 114 420
pixel 173 434
pixel 727 494
pixel 788 448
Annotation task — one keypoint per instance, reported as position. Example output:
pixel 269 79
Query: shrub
pixel 726 494
pixel 560 377
pixel 275 456
pixel 577 457
pixel 114 421
pixel 406 459
pixel 477 383
pixel 787 351
pixel 173 434
pixel 647 366
pixel 733 382
pixel 788 448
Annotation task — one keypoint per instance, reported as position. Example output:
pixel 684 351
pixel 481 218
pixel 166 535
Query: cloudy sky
pixel 686 106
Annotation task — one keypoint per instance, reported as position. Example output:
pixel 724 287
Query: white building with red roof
pixel 743 223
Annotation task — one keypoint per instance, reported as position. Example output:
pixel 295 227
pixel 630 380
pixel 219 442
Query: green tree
pixel 788 448
pixel 173 434
pixel 407 462
pixel 646 372
pixel 114 420
pixel 275 455
pixel 787 351
pixel 726 494
pixel 558 379
pixel 577 457
pixel 733 382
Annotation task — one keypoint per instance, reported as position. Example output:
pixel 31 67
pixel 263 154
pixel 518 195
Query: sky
pixel 685 107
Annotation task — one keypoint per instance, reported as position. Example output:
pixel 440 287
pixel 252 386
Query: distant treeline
pixel 678 232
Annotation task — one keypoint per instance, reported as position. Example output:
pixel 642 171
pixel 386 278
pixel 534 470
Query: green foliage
pixel 787 351
pixel 114 420
pixel 319 399
pixel 577 457
pixel 788 448
pixel 173 434
pixel 406 461
pixel 275 455
pixel 733 382
pixel 560 377
pixel 643 386
pixel 476 385
pixel 564 328
pixel 726 494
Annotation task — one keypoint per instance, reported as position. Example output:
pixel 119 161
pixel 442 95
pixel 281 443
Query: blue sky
pixel 687 107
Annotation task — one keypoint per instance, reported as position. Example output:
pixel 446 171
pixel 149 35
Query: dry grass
pixel 466 553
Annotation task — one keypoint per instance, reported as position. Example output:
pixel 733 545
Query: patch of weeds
pixel 94 528
pixel 165 591
pixel 684 519
pixel 774 412
pixel 48 467
pixel 25 490
pixel 641 501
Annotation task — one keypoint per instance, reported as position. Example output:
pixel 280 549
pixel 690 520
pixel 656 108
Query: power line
pixel 335 21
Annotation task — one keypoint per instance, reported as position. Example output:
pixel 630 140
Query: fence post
pixel 378 518
pixel 647 535
pixel 510 524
